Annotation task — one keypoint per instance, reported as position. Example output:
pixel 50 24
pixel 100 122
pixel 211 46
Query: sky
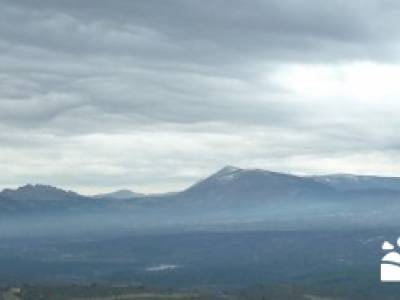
pixel 154 95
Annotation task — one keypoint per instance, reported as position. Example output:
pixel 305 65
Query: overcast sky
pixel 153 95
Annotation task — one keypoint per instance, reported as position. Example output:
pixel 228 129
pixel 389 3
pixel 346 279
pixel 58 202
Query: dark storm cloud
pixel 82 81
pixel 152 46
pixel 199 32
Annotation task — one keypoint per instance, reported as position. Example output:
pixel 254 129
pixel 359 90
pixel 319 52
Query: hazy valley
pixel 234 229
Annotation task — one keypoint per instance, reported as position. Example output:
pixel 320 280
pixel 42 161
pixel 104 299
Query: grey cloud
pixel 218 31
pixel 137 91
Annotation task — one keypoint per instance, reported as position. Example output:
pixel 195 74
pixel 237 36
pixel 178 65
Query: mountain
pixel 120 194
pixel 277 200
pixel 357 182
pixel 38 192
pixel 235 184
pixel 46 199
pixel 229 196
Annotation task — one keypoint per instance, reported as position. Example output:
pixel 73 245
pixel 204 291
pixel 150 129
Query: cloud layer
pixel 153 95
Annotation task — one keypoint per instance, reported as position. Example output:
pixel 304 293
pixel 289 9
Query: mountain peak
pixel 38 187
pixel 228 170
pixel 38 192
pixel 120 194
pixel 33 188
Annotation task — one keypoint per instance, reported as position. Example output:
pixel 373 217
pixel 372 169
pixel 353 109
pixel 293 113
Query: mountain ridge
pixel 227 173
pixel 229 196
pixel 120 194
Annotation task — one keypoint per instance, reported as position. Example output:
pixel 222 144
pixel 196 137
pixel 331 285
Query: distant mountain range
pixel 38 192
pixel 227 182
pixel 230 196
pixel 120 194
pixel 359 182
